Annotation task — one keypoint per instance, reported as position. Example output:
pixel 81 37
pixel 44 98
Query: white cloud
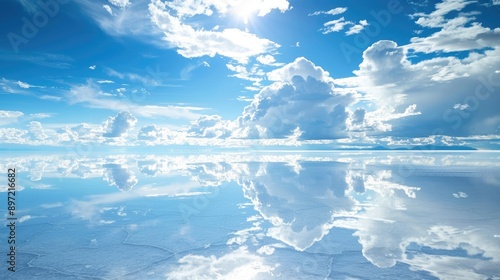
pixel 300 67
pixel 13 135
pixel 389 79
pixel 149 132
pixel 105 82
pixel 186 72
pixel 224 7
pixel 146 80
pixel 92 67
pixel 58 61
pixel 51 205
pixel 335 25
pixel 456 33
pixel 302 97
pixel 36 131
pixel 128 19
pixel 119 125
pixel 357 28
pixel 25 218
pixel 210 126
pixel 120 3
pixel 190 42
pixel 23 85
pixel 168 24
pixel 154 134
pixel 460 195
pixel 436 18
pixel 334 11
pixel 8 117
pixel 249 73
pixel 89 94
pixel 266 59
pixel 340 24
pixel 108 9
pixel 244 98
pixel 39 116
pixel 458 38
pixel 51 97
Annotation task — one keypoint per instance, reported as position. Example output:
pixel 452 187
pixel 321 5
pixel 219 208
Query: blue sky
pixel 277 72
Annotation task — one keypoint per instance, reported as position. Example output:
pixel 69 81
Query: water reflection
pixel 304 214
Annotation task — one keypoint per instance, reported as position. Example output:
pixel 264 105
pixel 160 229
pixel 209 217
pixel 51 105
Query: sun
pixel 245 11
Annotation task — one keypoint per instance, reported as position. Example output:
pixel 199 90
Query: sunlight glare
pixel 245 11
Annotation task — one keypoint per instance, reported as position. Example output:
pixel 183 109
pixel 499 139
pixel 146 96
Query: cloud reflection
pixel 432 212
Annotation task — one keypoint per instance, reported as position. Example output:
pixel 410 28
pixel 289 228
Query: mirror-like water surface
pixel 373 215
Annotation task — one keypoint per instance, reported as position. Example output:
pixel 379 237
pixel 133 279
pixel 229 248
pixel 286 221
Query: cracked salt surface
pixel 324 217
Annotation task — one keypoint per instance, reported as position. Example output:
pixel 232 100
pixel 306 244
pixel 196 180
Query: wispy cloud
pixel 187 71
pixel 105 82
pixel 89 95
pixel 334 11
pixel 59 61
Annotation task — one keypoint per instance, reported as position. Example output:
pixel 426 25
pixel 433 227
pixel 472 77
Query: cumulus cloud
pixel 302 98
pixel 457 87
pixel 267 60
pixel 156 134
pixel 37 132
pixel 119 125
pixel 210 126
pixel 300 67
pixel 301 103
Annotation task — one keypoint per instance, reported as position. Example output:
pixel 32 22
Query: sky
pixel 342 74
